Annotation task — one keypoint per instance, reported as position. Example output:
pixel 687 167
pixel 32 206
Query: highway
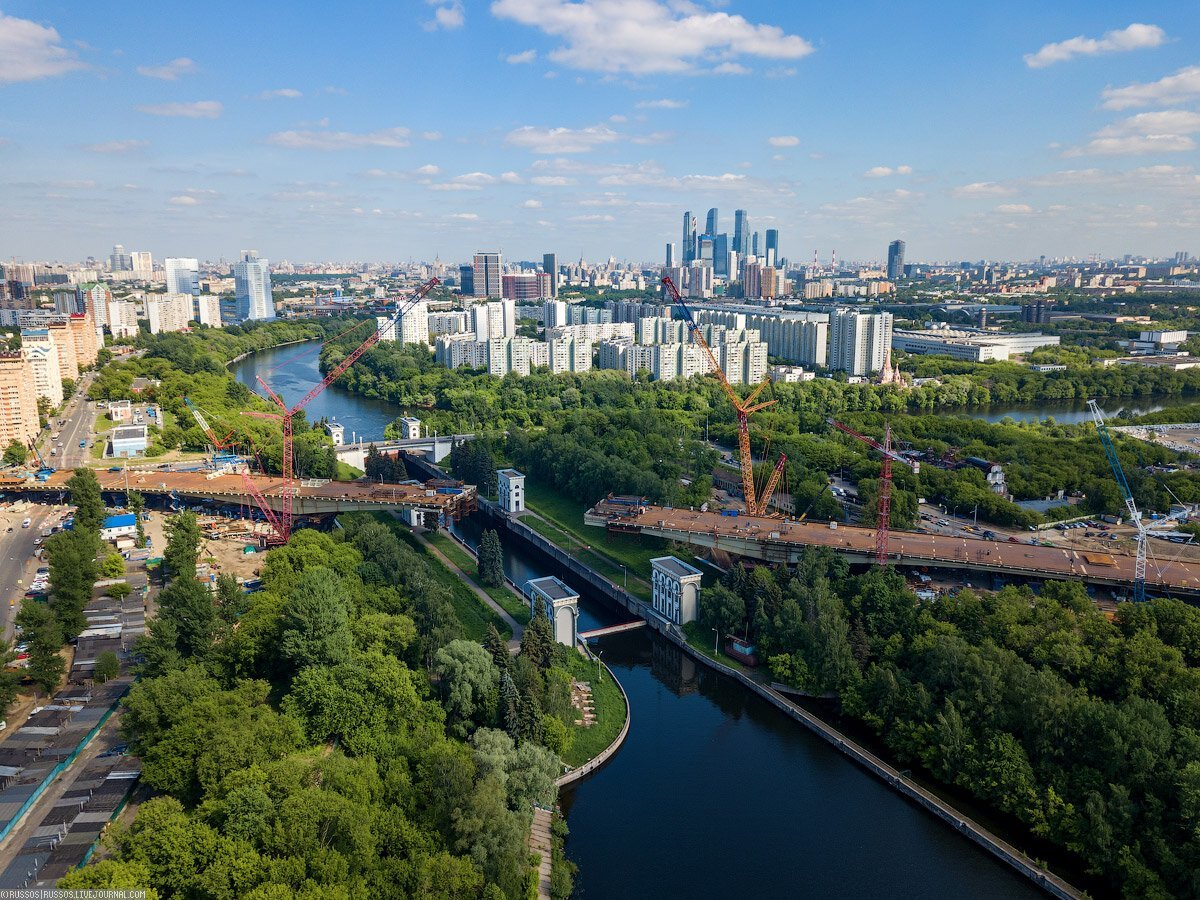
pixel 80 416
pixel 17 564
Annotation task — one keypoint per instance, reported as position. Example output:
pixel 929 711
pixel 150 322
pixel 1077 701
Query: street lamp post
pixel 625 569
pixel 599 673
pixel 975 520
pixel 716 641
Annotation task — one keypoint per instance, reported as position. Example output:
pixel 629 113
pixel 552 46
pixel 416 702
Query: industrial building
pixel 970 344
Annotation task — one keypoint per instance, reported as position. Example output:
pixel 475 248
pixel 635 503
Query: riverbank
pixel 237 359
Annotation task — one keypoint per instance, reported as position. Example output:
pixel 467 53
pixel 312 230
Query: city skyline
pixel 554 130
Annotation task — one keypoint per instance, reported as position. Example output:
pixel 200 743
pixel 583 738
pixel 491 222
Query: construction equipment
pixel 756 504
pixel 1135 515
pixel 285 519
pixel 219 444
pixel 883 502
pixel 820 494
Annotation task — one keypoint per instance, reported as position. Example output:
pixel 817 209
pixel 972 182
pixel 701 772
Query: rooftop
pixel 511 473
pixel 129 433
pixel 126 520
pixel 673 566
pixel 552 589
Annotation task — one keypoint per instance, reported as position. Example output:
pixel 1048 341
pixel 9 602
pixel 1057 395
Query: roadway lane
pixel 17 564
pixel 80 418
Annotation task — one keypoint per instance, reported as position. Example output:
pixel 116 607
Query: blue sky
pixel 399 131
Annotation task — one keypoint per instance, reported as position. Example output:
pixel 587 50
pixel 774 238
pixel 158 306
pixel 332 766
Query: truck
pixel 730 512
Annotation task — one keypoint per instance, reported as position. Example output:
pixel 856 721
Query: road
pixel 17 564
pixel 80 416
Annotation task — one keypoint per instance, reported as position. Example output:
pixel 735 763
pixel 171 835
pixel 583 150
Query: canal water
pixel 715 793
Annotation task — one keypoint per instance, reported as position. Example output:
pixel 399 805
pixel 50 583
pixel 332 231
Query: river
pixel 715 793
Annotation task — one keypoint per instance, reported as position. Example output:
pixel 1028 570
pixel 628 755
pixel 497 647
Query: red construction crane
pixel 284 529
pixel 755 505
pixel 883 503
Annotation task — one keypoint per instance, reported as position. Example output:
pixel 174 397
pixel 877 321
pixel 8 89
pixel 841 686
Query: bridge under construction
pixel 451 500
pixel 778 540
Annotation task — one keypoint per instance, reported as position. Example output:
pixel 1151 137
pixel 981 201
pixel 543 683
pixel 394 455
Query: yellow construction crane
pixel 756 505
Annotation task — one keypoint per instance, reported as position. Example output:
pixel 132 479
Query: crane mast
pixel 755 505
pixel 883 502
pixel 1135 515
pixel 286 518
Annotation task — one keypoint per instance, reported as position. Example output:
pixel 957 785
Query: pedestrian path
pixel 540 843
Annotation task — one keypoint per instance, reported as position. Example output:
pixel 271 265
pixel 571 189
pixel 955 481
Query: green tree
pixel 537 643
pixel 470 683
pixel 183 545
pixel 89 505
pixel 722 609
pixel 107 666
pixel 491 559
pixel 15 454
pixel 316 622
pixel 137 506
pixel 72 561
pixel 113 566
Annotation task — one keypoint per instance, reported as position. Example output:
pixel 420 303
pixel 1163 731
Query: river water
pixel 714 793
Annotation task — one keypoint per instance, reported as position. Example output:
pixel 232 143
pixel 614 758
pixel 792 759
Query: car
pixel 27 523
pixel 114 468
pixel 37 542
pixel 1013 540
pixel 83 443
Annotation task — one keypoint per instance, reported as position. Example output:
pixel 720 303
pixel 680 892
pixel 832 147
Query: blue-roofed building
pixel 116 527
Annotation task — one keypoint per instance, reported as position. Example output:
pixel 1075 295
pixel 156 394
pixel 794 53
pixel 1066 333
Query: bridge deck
pixel 329 497
pixel 612 629
pixel 782 540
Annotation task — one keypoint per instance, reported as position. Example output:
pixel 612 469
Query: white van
pixel 27 523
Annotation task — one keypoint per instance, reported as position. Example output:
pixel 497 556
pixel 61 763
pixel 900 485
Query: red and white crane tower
pixel 756 504
pixel 883 503
pixel 283 524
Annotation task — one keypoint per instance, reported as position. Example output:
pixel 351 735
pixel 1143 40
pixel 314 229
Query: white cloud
pixel 1152 132
pixel 169 72
pixel 665 103
pixel 479 178
pixel 454 186
pixel 183 200
pixel 552 180
pixel 525 56
pixel 201 109
pixel 340 140
pixel 561 140
pixel 29 51
pixel 431 135
pixel 1022 209
pixel 511 178
pixel 730 68
pixel 596 217
pixel 983 189
pixel 1183 85
pixel 532 204
pixel 780 72
pixel 428 169
pixel 286 93
pixel 784 140
pixel 1134 37
pixel 643 37
pixel 448 15
pixel 470 217
pixel 116 146
pixel 886 171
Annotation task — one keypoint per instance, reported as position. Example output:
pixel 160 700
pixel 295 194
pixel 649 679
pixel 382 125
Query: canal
pixel 715 793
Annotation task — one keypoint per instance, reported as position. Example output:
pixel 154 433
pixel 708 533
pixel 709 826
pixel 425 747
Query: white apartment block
pixel 411 328
pixel 494 320
pixel 447 322
pixel 744 362
pixel 592 332
pixel 169 312
pixel 122 318
pixel 182 275
pixel 570 355
pixel 208 310
pixel 790 374
pixel 858 341
pixel 554 314
pixel 42 356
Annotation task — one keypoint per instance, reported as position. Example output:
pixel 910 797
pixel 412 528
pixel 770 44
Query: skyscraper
pixel 741 232
pixel 252 287
pixel 466 281
pixel 143 265
pixel 670 254
pixel 772 248
pixel 895 267
pixel 858 342
pixel 120 260
pixel 487 274
pixel 721 254
pixel 754 244
pixel 710 225
pixel 688 250
pixel 183 275
pixel 550 267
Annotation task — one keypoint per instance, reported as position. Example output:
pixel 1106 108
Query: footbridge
pixel 313 497
pixel 434 448
pixel 781 540
pixel 611 629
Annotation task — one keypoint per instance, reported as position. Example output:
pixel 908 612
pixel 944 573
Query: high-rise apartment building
pixel 710 224
pixel 569 355
pixel 411 328
pixel 207 311
pixel 95 298
pixel 895 263
pixel 122 318
pixel 182 274
pixel 119 260
pixel 525 286
pixel 550 267
pixel 252 287
pixel 18 400
pixel 494 320
pixel 487 274
pixel 741 232
pixel 59 335
pixel 143 265
pixel 554 314
pixel 39 350
pixel 169 312
pixel 858 342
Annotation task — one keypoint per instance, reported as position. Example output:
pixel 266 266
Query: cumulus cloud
pixel 561 140
pixel 552 180
pixel 1182 86
pixel 179 66
pixel 595 217
pixel 525 56
pixel 428 169
pixel 1021 209
pixel 1134 37
pixel 1152 132
pixel 886 171
pixel 665 103
pixel 201 109
pixel 784 140
pixel 115 147
pixel 448 15
pixel 983 189
pixel 340 140
pixel 183 200
pixel 470 217
pixel 643 37
pixel 532 204
pixel 511 178
pixel 286 93
pixel 29 51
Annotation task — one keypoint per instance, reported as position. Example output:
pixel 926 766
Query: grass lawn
pixel 347 472
pixel 103 424
pixel 701 638
pixel 510 602
pixel 610 712
pixel 471 611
